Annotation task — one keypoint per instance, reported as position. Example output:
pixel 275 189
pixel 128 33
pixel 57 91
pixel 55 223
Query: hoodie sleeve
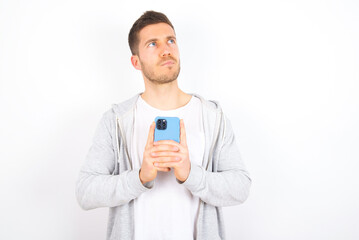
pixel 96 186
pixel 230 184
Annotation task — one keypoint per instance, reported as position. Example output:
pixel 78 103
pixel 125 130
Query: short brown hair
pixel 148 18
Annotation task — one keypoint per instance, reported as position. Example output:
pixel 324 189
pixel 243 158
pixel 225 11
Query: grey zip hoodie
pixel 108 179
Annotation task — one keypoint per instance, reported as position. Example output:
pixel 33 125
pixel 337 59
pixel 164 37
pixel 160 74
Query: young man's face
pixel 158 53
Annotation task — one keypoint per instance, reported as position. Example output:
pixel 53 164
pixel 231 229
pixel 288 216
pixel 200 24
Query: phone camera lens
pixel 159 124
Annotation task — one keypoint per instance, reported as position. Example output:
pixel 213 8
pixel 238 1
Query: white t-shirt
pixel 168 210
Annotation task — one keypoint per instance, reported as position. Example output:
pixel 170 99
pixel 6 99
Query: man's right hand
pixel 148 171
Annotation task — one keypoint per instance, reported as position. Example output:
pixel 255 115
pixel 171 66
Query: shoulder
pixel 118 110
pixel 125 106
pixel 214 106
pixel 209 104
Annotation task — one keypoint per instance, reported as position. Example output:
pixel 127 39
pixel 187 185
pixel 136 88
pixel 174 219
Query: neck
pixel 165 96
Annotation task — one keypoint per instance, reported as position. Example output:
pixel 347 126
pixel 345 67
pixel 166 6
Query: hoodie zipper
pixel 118 122
pixel 217 123
pixel 117 168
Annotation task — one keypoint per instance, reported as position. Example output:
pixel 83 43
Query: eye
pixel 151 44
pixel 173 41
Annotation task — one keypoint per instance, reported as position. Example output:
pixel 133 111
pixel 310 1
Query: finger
pixel 165 154
pixel 151 134
pixel 183 139
pixel 168 142
pixel 166 164
pixel 163 169
pixel 165 147
pixel 167 159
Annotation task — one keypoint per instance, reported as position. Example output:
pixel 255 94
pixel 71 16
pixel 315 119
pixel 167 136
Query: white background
pixel 285 72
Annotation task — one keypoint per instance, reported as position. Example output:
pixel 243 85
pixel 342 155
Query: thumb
pixel 151 135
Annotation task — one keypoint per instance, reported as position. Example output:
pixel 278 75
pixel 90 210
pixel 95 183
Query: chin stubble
pixel 161 79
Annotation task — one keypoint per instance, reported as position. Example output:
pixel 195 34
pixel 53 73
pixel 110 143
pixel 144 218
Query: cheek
pixel 175 51
pixel 175 48
pixel 146 59
pixel 147 54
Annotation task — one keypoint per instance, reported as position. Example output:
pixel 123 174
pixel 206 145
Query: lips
pixel 170 62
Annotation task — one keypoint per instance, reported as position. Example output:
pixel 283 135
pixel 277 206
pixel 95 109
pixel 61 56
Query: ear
pixel 135 62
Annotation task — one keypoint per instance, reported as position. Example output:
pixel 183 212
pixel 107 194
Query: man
pixel 162 190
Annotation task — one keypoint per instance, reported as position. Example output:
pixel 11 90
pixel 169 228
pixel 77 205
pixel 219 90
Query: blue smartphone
pixel 167 128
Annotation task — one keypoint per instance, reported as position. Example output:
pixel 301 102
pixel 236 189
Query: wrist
pixel 143 182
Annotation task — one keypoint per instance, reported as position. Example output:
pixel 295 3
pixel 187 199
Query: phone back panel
pixel 172 130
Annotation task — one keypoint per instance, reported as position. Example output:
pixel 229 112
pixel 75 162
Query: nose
pixel 166 51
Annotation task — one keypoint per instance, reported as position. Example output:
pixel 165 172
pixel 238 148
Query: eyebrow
pixel 155 39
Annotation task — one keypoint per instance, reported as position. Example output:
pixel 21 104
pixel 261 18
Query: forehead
pixel 158 30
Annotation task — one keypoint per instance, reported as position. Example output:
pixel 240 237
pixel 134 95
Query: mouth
pixel 170 62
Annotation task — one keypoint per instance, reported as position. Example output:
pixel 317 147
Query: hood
pixel 121 109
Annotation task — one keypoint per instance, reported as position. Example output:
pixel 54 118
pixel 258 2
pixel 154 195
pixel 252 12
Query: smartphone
pixel 167 128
